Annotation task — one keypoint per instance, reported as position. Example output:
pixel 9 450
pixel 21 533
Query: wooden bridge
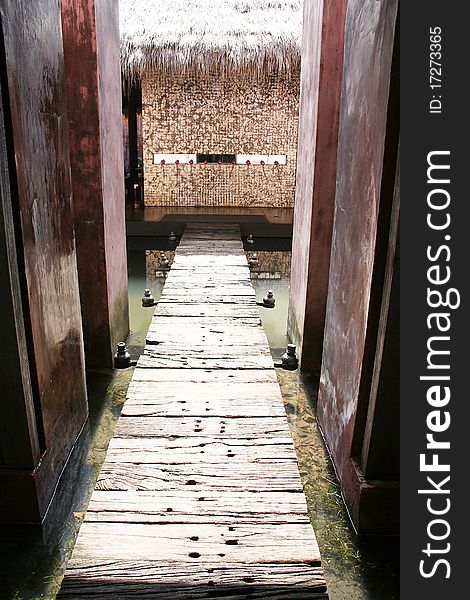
pixel 200 495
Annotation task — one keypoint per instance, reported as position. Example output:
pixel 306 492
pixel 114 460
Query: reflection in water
pixel 139 277
pixel 272 274
pixel 274 319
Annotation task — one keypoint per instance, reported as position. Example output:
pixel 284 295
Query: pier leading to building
pixel 200 494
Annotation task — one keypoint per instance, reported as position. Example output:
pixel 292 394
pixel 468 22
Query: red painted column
pixel 45 403
pixel 321 76
pixel 92 69
pixel 362 229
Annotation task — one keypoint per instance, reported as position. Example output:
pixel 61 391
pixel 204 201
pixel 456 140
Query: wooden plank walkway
pixel 200 495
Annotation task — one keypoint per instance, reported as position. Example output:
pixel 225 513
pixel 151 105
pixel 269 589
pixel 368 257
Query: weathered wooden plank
pixel 230 337
pixel 211 234
pixel 239 298
pixel 147 408
pixel 273 446
pixel 227 376
pixel 208 323
pixel 204 309
pixel 210 289
pixel 209 247
pixel 213 427
pixel 210 267
pixel 175 298
pixel 197 226
pixel 189 506
pixel 198 238
pixel 211 244
pixel 207 231
pixel 220 327
pixel 220 345
pixel 282 476
pixel 200 451
pixel 145 403
pixel 194 228
pixel 210 294
pixel 92 579
pixel 240 393
pixel 154 359
pixel 210 251
pixel 199 342
pixel 230 266
pixel 221 348
pixel 202 233
pixel 221 351
pixel 188 279
pixel 258 543
pixel 247 327
pixel 162 349
pixel 206 241
pixel 208 271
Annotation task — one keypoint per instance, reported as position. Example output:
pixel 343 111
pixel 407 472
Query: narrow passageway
pixel 200 494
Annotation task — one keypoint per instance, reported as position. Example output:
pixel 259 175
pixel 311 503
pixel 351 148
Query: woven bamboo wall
pixel 219 116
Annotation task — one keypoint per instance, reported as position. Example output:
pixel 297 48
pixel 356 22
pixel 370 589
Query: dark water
pixel 139 317
pixel 274 320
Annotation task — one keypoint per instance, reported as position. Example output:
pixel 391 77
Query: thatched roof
pixel 250 37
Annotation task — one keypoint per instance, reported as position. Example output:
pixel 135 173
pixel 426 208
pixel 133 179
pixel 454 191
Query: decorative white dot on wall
pixel 261 159
pixel 239 159
pixel 171 159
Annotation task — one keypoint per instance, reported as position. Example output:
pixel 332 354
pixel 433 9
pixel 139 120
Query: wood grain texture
pixel 154 359
pixel 216 542
pixel 200 478
pixel 201 450
pixel 233 507
pixel 200 494
pixel 90 579
pixel 212 427
pixel 208 309
pixel 222 378
pixel 203 399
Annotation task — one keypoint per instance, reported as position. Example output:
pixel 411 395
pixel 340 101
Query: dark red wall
pixel 112 164
pixel 19 445
pixel 368 50
pixel 91 46
pixel 321 76
pixel 39 135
